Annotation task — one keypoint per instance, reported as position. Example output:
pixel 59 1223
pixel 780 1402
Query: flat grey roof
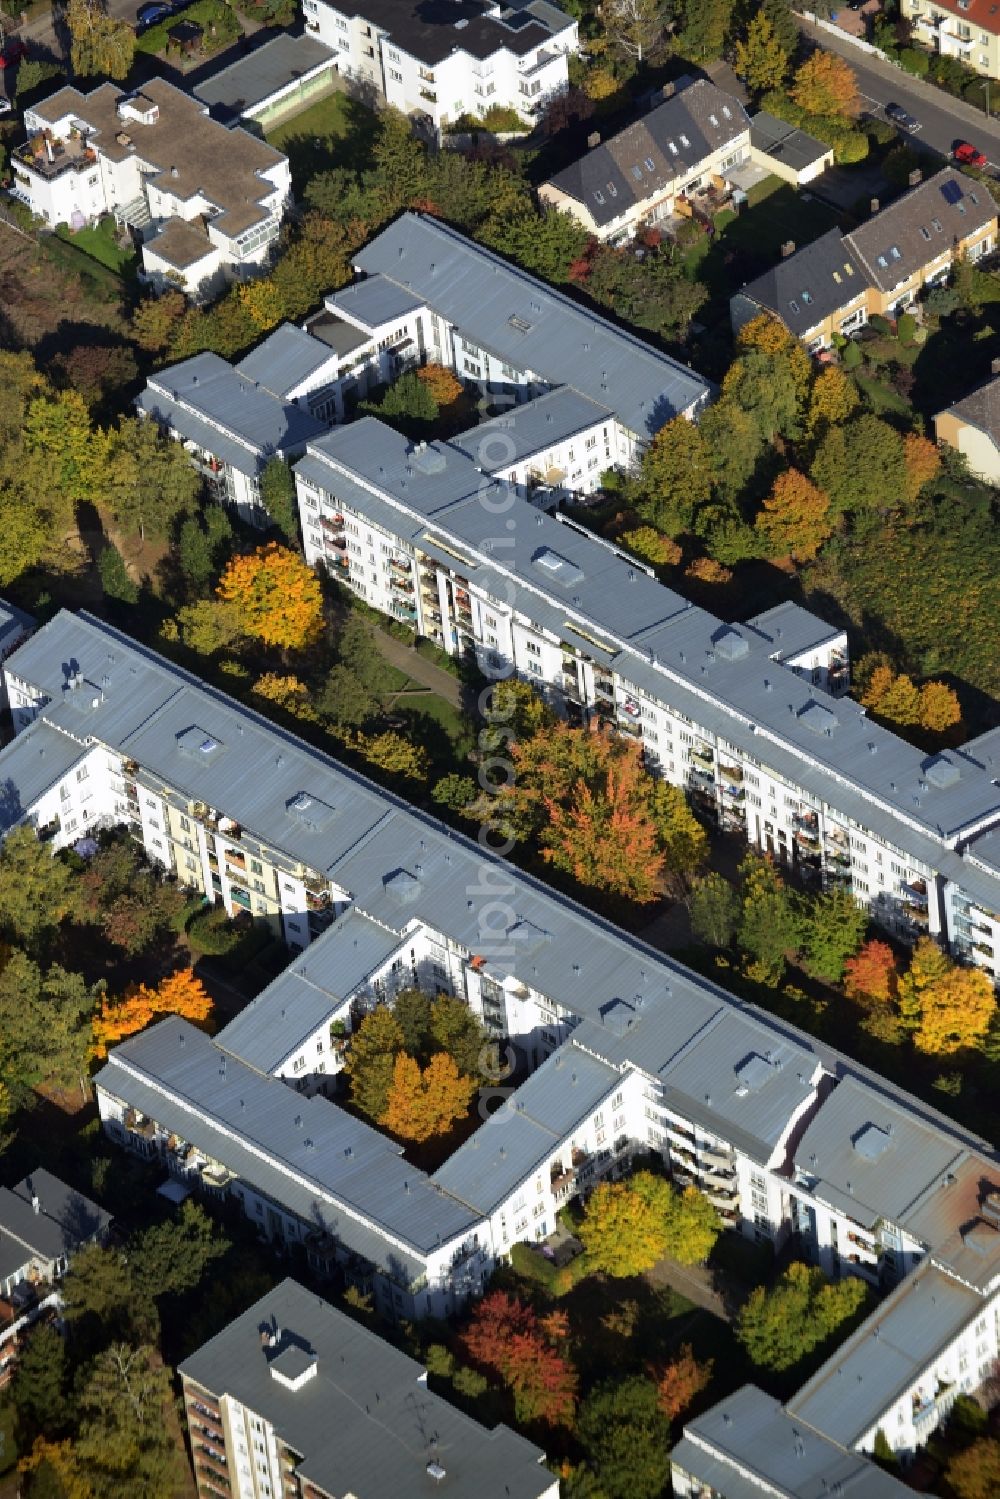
pixel 792 630
pixel 285 359
pixel 520 1135
pixel 663 645
pixel 323 1164
pixel 204 394
pixel 310 991
pixel 248 83
pixel 784 142
pixel 31 764
pixel 14 623
pixel 375 301
pixel 888 1353
pixel 530 325
pixel 365 1423
pixel 871 1158
pixel 530 428
pixel 748 1440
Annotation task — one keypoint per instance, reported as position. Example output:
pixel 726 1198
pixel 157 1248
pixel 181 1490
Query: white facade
pixel 440 80
pixel 207 203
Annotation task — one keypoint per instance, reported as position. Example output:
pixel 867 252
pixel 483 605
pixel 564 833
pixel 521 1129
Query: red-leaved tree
pixel 506 1338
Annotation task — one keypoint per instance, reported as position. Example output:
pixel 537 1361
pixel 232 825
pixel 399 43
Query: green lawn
pixel 445 733
pixel 882 398
pixel 335 131
pixel 99 243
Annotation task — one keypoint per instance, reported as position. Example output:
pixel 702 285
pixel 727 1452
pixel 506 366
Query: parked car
pixel 898 115
pixel 12 52
pixel 968 156
pixel 148 15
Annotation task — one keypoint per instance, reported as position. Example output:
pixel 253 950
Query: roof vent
pixel 402 886
pixel 817 718
pixel 730 644
pixel 941 771
pixel 428 460
pixel 557 568
pixel 871 1142
pixel 309 811
pixel 198 745
pixel 293 1366
pixel 435 1471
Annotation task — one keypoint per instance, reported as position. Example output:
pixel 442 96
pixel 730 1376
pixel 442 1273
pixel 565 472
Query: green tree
pixel 734 444
pixel 706 28
pixel 208 626
pixel 45 1029
pixel 407 404
pixel 456 1030
pixel 345 700
pixel 125 1445
pixel 411 1011
pixel 861 465
pixel 769 927
pixel 546 244
pixel 832 931
pixel 715 910
pixel 32 73
pixel 371 1060
pixel 150 481
pixel 627 1438
pixel 454 792
pixel 675 477
pixel 38 889
pixel 692 1227
pixel 781 1326
pixel 203 543
pixel 760 58
pixel 172 1257
pixel 102 1301
pixel 99 45
pixel 277 495
pixel 975 1473
pixel 41 1385
pixel 118 586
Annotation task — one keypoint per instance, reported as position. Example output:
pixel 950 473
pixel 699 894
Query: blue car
pixel 148 15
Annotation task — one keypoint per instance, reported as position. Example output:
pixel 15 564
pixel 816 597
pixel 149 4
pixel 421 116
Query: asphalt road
pixel 944 121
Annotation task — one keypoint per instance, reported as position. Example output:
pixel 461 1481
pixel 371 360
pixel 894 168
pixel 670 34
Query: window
pixel 649 164
pixel 395 75
pixel 532 648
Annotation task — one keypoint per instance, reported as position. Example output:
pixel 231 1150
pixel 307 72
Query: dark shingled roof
pixel 641 161
pixel 981 408
pixel 920 226
pixel 807 287
pixel 430 30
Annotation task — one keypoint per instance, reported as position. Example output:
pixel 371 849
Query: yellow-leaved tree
pixel 947 1008
pixel 181 993
pixel 428 1102
pixel 794 520
pixel 276 598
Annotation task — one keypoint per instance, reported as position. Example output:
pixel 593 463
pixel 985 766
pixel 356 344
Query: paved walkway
pixel 405 658
pixel 693 1281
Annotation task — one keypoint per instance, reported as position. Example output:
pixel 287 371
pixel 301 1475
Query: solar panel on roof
pixel 951 191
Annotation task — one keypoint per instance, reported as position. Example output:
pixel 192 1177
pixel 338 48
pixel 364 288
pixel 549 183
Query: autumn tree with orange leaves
pixel 795 518
pixel 443 385
pixel 182 993
pixel 870 976
pixel 506 1338
pixel 276 598
pixel 681 1382
pixel 923 463
pixel 826 85
pixel 596 813
pixel 425 1103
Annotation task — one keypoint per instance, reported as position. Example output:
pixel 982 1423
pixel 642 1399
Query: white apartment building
pixel 295 1392
pixel 630 1051
pixel 205 202
pixel 230 425
pixel 684 150
pixel 15 627
pixel 447 58
pixel 748 719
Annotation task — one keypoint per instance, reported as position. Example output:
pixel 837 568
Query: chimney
pixel 594 139
pixel 916 177
pixel 995 367
pixel 788 248
pixel 873 205
pixel 48 149
pixel 35 1203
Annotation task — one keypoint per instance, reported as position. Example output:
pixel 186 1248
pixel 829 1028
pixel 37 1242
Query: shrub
pixel 851 356
pixel 878 324
pixel 212 932
pixel 941 301
pixel 915 61
pixel 906 327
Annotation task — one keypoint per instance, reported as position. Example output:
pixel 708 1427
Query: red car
pixel 12 52
pixel 969 156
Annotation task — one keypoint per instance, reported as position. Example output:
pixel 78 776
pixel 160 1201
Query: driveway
pixel 943 119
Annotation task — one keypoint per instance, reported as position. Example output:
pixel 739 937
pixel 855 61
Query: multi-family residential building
pixel 748 1445
pixel 749 719
pixel 583 395
pixel 972 427
pixel 43 1222
pixel 629 1051
pixel 966 29
pixel 680 151
pixel 205 202
pixel 837 283
pixel 229 424
pixel 15 627
pixel 272 82
pixel 442 59
pixel 295 1399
